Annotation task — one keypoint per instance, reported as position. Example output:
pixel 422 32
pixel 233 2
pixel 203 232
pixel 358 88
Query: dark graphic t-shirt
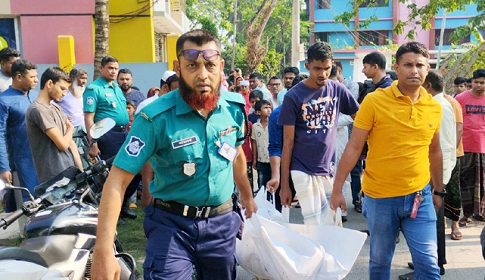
pixel 314 113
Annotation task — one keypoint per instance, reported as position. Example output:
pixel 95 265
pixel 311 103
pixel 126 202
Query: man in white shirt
pixel 169 82
pixel 434 84
pixel 256 82
pixel 7 57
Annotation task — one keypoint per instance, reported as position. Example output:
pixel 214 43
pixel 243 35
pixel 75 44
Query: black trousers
pixel 440 231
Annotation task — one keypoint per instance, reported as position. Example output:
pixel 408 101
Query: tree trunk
pixel 101 35
pixel 254 29
pixel 462 67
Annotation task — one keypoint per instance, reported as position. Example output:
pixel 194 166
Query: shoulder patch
pixel 134 147
pixel 90 100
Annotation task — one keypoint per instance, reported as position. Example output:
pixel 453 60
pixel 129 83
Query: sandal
pixel 456 234
pixel 465 221
pixel 479 218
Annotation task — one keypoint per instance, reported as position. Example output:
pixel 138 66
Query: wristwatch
pixel 442 194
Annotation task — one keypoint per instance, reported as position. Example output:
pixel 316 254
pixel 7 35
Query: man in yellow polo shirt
pixel 403 182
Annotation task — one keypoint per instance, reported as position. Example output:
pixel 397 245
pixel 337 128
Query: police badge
pixel 134 146
pixel 189 168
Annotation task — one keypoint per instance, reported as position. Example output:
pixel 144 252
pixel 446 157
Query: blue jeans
pixel 384 218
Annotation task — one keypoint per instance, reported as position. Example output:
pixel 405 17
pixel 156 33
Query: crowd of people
pixel 411 153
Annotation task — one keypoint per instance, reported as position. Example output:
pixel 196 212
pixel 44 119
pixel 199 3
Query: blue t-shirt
pixel 314 113
pixel 275 133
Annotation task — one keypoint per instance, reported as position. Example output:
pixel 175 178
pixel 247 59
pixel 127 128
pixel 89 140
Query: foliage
pixel 422 16
pixel 218 17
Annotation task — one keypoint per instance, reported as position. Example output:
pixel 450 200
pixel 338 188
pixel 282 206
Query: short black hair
pixel 375 58
pixel 320 51
pixel 298 79
pixel 258 105
pixel 197 36
pixel 75 72
pixel 392 74
pixel 125 71
pixel 333 72
pixel 21 66
pixel 54 74
pixel 436 80
pixel 7 53
pixel 107 59
pixel 172 79
pixel 256 94
pixel 479 73
pixel 414 47
pixel 130 102
pixel 459 81
pixel 293 70
pixel 338 64
pixel 237 70
pixel 232 71
pixel 469 80
pixel 256 75
pixel 274 78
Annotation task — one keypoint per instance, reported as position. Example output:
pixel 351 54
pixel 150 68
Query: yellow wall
pixel 67 56
pixel 171 49
pixel 131 40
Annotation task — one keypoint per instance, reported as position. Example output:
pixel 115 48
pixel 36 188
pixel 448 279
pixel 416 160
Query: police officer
pixel 192 137
pixel 103 98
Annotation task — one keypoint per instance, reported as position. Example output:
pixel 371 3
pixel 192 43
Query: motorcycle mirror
pixel 101 127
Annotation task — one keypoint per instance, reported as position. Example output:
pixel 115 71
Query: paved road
pixel 464 257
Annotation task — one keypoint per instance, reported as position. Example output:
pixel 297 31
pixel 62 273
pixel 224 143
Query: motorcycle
pixel 61 232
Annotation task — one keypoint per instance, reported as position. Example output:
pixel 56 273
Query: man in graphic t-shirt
pixel 309 115
pixel 473 162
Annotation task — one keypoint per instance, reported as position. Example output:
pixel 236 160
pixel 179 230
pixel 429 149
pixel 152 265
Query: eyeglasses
pixel 192 55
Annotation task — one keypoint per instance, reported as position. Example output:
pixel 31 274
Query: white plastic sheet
pixel 272 248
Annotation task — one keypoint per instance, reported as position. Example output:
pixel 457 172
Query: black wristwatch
pixel 442 194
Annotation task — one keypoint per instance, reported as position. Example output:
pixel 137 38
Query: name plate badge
pixel 184 142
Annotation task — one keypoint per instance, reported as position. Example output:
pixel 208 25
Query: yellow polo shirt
pixel 399 138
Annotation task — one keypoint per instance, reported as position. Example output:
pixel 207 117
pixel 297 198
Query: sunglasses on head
pixel 192 55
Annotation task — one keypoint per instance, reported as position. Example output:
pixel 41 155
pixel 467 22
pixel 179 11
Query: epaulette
pixel 89 87
pixel 233 97
pixel 162 104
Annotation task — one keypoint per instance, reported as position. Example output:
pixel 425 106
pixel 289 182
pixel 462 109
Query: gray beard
pixel 78 90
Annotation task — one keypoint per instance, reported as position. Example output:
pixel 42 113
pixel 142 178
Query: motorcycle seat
pixel 44 250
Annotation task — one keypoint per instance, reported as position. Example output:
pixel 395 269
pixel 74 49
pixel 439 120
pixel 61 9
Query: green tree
pixel 421 16
pixel 218 17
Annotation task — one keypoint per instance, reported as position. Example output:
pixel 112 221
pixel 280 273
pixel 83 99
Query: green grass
pixel 132 237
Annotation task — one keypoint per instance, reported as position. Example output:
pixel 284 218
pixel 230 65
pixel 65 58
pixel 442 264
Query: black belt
pixel 119 128
pixel 193 212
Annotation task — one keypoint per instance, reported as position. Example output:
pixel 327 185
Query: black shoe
pixel 121 222
pixel 127 213
pixel 411 266
pixel 408 276
pixel 398 239
pixel 344 219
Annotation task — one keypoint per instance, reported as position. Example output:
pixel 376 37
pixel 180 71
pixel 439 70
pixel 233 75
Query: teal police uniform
pixel 108 101
pixel 105 101
pixel 184 150
pixel 182 147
